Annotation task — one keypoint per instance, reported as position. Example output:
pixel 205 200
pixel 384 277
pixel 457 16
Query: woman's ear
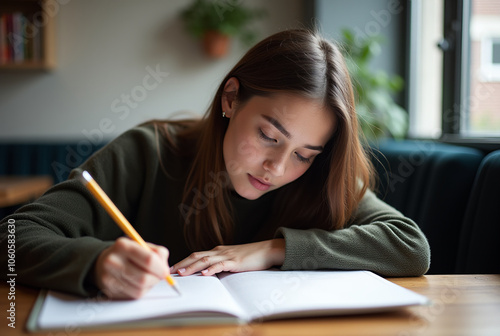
pixel 229 95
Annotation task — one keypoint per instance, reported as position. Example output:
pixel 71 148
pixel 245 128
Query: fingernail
pixel 182 270
pixel 204 271
pixel 171 269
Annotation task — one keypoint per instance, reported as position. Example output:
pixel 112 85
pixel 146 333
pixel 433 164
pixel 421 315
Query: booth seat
pixel 451 192
pixel 431 183
pixel 52 159
pixel 48 160
pixel 479 248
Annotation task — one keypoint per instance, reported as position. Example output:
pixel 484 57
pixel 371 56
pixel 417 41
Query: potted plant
pixel 378 113
pixel 215 21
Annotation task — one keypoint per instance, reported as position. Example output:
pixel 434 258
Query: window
pixel 460 40
pixel 483 117
pixel 426 68
pixel 490 59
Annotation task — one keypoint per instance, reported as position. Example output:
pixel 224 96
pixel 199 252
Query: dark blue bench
pixel 429 182
pixel 479 249
pixel 53 159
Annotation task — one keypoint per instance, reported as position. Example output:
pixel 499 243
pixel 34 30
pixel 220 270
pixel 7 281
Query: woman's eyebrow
pixel 287 134
pixel 278 125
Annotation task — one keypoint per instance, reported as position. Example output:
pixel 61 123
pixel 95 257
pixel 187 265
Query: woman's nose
pixel 275 163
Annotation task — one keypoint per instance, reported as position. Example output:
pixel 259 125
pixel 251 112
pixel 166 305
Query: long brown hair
pixel 294 61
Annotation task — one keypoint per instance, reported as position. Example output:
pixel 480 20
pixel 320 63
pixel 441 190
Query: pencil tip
pixel 177 289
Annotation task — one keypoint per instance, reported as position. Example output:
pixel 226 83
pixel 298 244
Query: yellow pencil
pixel 118 217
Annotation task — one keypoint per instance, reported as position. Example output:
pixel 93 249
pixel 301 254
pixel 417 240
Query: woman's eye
pixel 263 136
pixel 303 159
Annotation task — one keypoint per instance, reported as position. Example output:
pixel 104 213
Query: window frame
pixel 456 78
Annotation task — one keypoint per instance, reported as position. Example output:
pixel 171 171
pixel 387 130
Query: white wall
pixel 105 50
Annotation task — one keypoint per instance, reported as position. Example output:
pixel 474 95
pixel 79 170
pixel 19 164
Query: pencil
pixel 118 217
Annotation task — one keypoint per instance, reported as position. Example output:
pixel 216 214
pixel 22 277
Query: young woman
pixel 273 175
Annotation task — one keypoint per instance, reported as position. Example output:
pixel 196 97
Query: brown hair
pixel 299 62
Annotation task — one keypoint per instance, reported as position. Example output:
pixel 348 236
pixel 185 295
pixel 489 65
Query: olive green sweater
pixel 59 236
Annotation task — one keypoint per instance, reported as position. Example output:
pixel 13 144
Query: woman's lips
pixel 258 184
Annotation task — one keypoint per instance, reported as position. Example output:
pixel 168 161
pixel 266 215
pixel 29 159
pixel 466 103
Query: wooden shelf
pixel 28 65
pixel 38 50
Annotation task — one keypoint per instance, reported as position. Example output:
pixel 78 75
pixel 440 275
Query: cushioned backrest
pixel 430 183
pixel 55 159
pixel 480 239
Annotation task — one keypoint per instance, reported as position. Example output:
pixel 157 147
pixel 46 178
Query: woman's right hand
pixel 126 270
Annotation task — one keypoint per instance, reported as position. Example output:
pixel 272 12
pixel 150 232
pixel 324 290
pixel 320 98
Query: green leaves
pixel 228 17
pixel 379 115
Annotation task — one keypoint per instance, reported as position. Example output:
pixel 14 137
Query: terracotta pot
pixel 215 44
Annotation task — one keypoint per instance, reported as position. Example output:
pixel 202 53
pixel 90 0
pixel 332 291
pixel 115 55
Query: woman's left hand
pixel 233 258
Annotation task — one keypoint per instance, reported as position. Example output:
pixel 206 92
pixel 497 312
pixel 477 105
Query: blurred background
pixel 102 51
pixel 75 74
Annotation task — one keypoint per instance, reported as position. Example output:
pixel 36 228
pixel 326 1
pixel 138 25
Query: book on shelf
pixel 20 39
pixel 228 298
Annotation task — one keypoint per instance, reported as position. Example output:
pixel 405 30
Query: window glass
pixel 426 69
pixel 482 85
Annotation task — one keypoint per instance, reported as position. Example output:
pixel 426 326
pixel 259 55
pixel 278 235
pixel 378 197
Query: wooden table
pixel 467 305
pixel 16 190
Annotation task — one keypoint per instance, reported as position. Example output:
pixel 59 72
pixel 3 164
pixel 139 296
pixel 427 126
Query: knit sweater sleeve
pixel 378 238
pixel 59 236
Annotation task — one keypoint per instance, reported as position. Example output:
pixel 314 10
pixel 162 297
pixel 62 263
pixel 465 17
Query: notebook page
pixel 199 294
pixel 312 293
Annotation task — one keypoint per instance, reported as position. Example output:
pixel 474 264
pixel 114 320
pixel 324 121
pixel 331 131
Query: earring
pixel 223 114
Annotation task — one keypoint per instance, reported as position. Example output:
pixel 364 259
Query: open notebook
pixel 229 298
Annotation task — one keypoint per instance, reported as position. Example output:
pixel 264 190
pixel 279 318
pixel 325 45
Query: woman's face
pixel 272 141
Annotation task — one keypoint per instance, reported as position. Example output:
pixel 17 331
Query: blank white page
pixel 278 294
pixel 199 294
